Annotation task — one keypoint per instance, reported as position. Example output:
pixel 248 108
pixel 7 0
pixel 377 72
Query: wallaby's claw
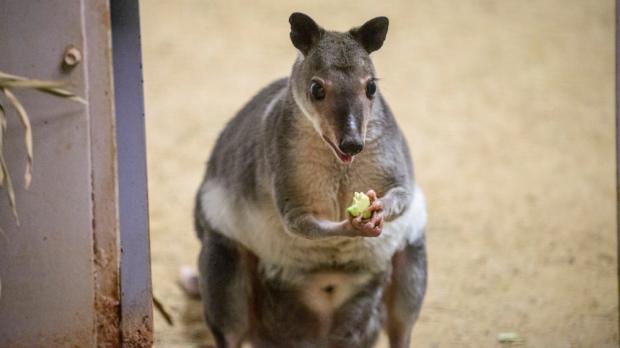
pixel 372 195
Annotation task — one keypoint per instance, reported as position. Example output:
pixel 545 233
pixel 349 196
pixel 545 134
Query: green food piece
pixel 360 203
pixel 509 337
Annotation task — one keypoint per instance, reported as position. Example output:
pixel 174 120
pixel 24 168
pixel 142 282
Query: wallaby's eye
pixel 317 91
pixel 371 88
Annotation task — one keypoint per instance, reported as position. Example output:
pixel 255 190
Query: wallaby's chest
pixel 327 187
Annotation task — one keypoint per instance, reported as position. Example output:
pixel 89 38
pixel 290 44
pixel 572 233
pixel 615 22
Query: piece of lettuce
pixel 360 203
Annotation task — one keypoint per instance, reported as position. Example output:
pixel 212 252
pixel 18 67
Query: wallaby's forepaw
pixel 372 226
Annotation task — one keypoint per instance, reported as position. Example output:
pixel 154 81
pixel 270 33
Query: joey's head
pixel 333 80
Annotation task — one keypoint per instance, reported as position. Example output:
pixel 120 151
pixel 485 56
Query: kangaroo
pixel 282 264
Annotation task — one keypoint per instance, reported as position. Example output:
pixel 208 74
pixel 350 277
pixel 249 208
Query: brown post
pixel 618 148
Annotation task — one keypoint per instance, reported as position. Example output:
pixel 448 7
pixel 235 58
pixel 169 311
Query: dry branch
pixel 8 81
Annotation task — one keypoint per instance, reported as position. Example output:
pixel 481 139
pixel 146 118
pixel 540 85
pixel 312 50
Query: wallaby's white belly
pixel 259 228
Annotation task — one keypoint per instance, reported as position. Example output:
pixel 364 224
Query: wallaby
pixel 282 263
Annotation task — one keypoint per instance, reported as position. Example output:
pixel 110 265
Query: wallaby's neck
pixel 304 142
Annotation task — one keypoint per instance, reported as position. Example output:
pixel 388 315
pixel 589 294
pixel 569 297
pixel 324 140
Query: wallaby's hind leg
pixel 404 295
pixel 225 288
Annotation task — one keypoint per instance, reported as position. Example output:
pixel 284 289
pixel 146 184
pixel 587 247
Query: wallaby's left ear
pixel 372 34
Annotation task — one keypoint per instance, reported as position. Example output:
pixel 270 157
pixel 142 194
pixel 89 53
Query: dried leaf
pixel 8 83
pixel 13 81
pixel 9 186
pixel 2 129
pixel 2 117
pixel 50 87
pixel 4 75
pixel 63 93
pixel 160 307
pixel 27 133
pixel 5 178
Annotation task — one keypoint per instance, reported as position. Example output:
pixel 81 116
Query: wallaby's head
pixel 333 80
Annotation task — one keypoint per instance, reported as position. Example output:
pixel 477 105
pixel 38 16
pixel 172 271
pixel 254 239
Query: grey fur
pixel 405 293
pixel 224 283
pixel 269 154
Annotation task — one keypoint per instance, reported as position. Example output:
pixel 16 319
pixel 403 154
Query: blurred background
pixel 508 107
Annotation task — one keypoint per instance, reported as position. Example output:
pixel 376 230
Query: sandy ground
pixel 508 109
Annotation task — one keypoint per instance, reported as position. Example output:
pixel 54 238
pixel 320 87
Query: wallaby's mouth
pixel 343 157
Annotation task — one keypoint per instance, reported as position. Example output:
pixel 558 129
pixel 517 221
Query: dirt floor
pixel 508 109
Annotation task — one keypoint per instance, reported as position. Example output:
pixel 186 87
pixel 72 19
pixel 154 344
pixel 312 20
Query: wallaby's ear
pixel 304 32
pixel 372 34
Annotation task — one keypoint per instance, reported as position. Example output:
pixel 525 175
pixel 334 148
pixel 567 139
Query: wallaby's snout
pixel 351 145
pixel 351 142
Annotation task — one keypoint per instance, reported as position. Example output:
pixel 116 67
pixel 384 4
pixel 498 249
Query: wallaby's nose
pixel 351 145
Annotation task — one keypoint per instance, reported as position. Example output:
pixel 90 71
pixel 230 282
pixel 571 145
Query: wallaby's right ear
pixel 304 32
pixel 372 34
